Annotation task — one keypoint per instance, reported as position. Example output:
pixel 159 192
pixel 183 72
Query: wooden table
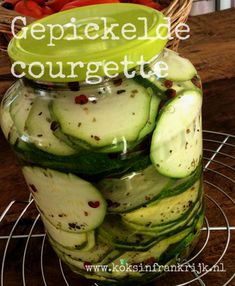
pixel 212 49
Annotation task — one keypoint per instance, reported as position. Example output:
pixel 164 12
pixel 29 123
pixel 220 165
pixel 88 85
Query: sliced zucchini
pixel 7 124
pixel 170 228
pixel 136 257
pixel 177 249
pixel 166 210
pixel 134 189
pixel 180 185
pixel 151 84
pixel 95 255
pixel 101 273
pixel 120 235
pixel 92 166
pixel 148 128
pixel 84 269
pixel 105 122
pixel 81 271
pixel 68 202
pixel 119 147
pixel 179 68
pixel 176 147
pixel 20 109
pixel 69 240
pixel 64 138
pixel 111 256
pixel 39 128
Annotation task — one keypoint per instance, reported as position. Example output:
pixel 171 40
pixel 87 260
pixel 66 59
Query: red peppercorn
pixel 168 83
pixel 81 99
pixel 94 205
pixel 170 93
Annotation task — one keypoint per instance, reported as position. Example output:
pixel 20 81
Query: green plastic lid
pixel 65 46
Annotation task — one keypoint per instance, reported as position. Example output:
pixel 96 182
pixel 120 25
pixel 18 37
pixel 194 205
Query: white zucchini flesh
pixel 179 68
pixel 7 126
pixel 94 255
pixel 67 239
pixel 20 109
pixel 166 210
pixel 118 114
pixel 6 121
pixel 176 147
pixel 38 126
pixel 169 227
pixel 134 189
pixel 68 202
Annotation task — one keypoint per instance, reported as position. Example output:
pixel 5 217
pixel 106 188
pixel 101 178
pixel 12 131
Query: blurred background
pixel 208 6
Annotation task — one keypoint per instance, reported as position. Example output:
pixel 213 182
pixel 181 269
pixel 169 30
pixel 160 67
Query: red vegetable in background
pixel 149 3
pixel 29 8
pixel 154 6
pixel 56 5
pixel 41 8
pixel 47 11
pixel 80 3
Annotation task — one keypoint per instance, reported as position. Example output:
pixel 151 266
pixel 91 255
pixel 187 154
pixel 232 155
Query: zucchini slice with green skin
pixel 105 122
pixel 166 210
pixel 179 68
pixel 120 147
pixel 92 166
pixel 95 255
pixel 170 228
pixel 176 249
pixel 20 109
pixel 39 128
pixel 78 266
pixel 125 236
pixel 69 240
pixel 7 124
pixel 133 190
pixel 151 84
pixel 136 257
pixel 145 187
pixel 176 147
pixel 149 127
pixel 120 235
pixel 180 185
pixel 68 202
pixel 111 256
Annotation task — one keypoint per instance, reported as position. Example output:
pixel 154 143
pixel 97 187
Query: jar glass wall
pixel 115 169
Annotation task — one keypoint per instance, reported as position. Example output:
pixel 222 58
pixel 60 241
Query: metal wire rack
pixel 212 262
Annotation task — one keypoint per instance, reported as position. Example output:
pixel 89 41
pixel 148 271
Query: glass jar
pixel 115 168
